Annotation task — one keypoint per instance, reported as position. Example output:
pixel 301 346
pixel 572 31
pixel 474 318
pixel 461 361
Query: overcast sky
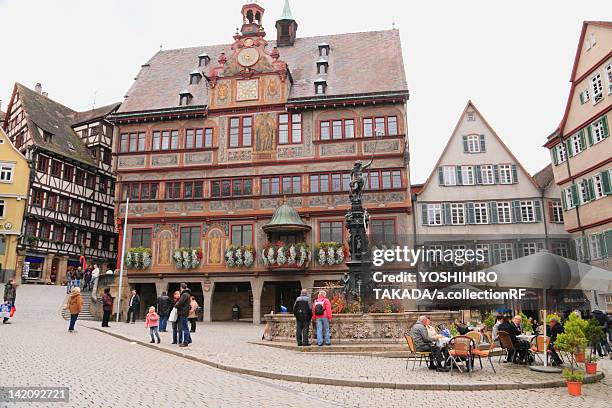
pixel 512 59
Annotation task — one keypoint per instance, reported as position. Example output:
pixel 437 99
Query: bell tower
pixel 252 18
pixel 286 28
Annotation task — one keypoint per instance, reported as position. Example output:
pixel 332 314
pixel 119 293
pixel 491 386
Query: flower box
pixel 239 256
pixel 138 258
pixel 330 253
pixel 283 256
pixel 187 258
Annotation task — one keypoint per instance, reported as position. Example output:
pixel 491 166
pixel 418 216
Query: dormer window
pixel 194 78
pixel 320 86
pixel 47 136
pixel 203 60
pixel 185 98
pixel 322 66
pixel 323 50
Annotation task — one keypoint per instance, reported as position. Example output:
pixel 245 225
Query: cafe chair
pixel 488 353
pixel 474 335
pixel 461 348
pixel 507 346
pixel 414 354
pixel 537 347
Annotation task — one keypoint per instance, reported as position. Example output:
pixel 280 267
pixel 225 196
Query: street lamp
pixel 125 223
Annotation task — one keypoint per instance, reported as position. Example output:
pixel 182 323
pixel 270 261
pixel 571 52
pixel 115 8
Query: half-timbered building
pixel 70 209
pixel 236 161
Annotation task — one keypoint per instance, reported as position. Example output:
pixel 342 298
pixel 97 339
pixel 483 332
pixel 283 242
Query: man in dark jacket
pixel 302 310
pixel 164 306
pixel 423 342
pixel 554 330
pixel 513 328
pixel 107 307
pixel 133 307
pixel 602 347
pixel 10 294
pixel 182 306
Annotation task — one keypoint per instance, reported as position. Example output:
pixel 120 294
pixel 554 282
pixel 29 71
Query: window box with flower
pixel 138 258
pixel 187 258
pixel 239 256
pixel 331 253
pixel 282 255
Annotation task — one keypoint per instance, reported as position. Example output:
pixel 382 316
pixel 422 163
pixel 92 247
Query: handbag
pixel 173 315
pixel 13 310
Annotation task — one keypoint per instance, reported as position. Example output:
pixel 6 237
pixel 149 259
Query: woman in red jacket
pixel 321 312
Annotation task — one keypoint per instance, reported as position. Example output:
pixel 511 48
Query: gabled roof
pixel 493 133
pixel 351 70
pixel 55 118
pixel 93 114
pixel 544 176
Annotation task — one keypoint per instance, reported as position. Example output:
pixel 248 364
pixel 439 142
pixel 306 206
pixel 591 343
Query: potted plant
pixel 572 341
pixel 573 380
pixel 489 321
pixel 594 334
pixel 526 325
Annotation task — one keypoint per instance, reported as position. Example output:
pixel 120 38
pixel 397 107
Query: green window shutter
pixel 470 213
pixel 581 98
pixel 516 211
pixel 605 182
pixel 517 250
pixel 582 140
pixel 478 172
pixel 563 202
pixel 482 144
pixel 424 213
pixel 514 174
pixel 553 155
pixel 602 244
pixel 604 122
pixel 446 214
pixel 568 148
pixel 493 212
pixel 495 254
pixel 537 205
pixel 575 194
pixel 495 174
pixel 465 144
pixel 440 176
pixel 608 242
pixel 459 179
pixel 590 135
pixel 590 189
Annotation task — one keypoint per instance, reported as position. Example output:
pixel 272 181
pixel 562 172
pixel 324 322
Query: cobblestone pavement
pixel 104 371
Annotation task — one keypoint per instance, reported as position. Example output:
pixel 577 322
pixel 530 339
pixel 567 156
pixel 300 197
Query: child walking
pixel 152 322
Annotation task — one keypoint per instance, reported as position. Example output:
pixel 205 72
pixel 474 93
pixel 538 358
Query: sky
pixel 512 59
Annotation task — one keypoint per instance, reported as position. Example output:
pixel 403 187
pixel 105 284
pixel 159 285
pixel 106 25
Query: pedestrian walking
pixel 321 312
pixel 193 314
pixel 177 334
pixel 78 277
pixel 75 306
pixel 95 274
pixel 68 278
pixel 10 294
pixel 107 307
pixel 87 279
pixel 183 305
pixel 152 323
pixel 164 307
pixel 133 307
pixel 302 310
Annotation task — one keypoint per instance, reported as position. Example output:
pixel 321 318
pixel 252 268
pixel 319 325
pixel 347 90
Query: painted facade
pixel 581 150
pixel 211 141
pixel 14 181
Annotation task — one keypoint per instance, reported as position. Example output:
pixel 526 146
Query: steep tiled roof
pixel 544 176
pixel 97 113
pixel 55 118
pixel 359 63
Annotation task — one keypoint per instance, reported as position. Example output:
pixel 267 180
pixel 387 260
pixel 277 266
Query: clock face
pixel 248 57
pixel 247 90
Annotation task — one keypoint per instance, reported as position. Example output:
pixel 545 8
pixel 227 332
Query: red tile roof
pixel 359 63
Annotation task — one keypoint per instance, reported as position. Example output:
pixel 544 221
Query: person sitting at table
pixel 554 330
pixel 514 329
pixel 462 328
pixel 423 342
pixel 498 320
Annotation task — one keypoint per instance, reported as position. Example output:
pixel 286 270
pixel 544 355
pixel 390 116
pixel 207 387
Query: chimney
pixel 286 28
pixel 38 88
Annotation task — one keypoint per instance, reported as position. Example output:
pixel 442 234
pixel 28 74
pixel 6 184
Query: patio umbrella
pixel 544 270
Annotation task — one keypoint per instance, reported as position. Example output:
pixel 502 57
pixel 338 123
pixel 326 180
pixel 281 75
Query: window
pixel 598 189
pixel 449 175
pixel 141 237
pixel 505 174
pixel 527 211
pixel 434 214
pixel 190 237
pixel 142 191
pixel 561 153
pixel 75 208
pixel 337 129
pixel 596 88
pixel 51 201
pixel 58 232
pixel 198 138
pixel 576 143
pixel 79 178
pixel 289 128
pixel 194 79
pixel 281 185
pixel 471 116
pixel 320 88
pixel 560 248
pixel 56 168
pixel 457 213
pixel 64 204
pixel 598 131
pixel 484 248
pixel 99 214
pixel 595 246
pixel 242 234
pixel 504 252
pixel 473 143
pixel 86 211
pixel 581 249
pixel 31 227
pixel 193 189
pixel 504 213
pixel 165 139
pixel 481 215
pixel 609 77
pixel 68 172
pixel 90 181
pixel 556 211
pixel 584 96
pixel 2 208
pixel 132 142
pixel 529 248
pixel 45 230
pixel 383 230
pixel 6 172
pixel 231 188
pixel 173 190
pixel 240 132
pixel 487 174
pixel 331 231
pixel 37 198
pixel 380 126
pixel 467 175
pixel 570 201
pixel 69 235
pixel 583 192
pixel 385 179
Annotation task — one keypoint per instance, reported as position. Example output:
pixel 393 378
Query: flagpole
pixel 125 223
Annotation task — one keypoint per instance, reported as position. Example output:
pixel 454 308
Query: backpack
pixel 319 308
pixel 301 311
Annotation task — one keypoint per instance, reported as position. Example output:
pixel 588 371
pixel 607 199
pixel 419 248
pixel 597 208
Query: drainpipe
pixel 542 189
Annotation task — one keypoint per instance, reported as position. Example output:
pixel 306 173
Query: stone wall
pixel 360 328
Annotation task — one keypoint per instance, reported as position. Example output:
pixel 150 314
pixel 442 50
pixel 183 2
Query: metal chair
pixel 474 336
pixel 461 347
pixel 538 347
pixel 486 354
pixel 421 355
pixel 507 346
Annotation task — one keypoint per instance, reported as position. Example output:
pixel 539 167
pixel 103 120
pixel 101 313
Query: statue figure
pixel 357 181
pixel 215 248
pixel 165 248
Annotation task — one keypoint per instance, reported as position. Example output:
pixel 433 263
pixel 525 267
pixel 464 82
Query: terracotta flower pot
pixel 591 368
pixel 580 357
pixel 574 388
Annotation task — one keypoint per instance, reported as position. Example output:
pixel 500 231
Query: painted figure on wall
pixel 214 251
pixel 165 248
pixel 264 132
